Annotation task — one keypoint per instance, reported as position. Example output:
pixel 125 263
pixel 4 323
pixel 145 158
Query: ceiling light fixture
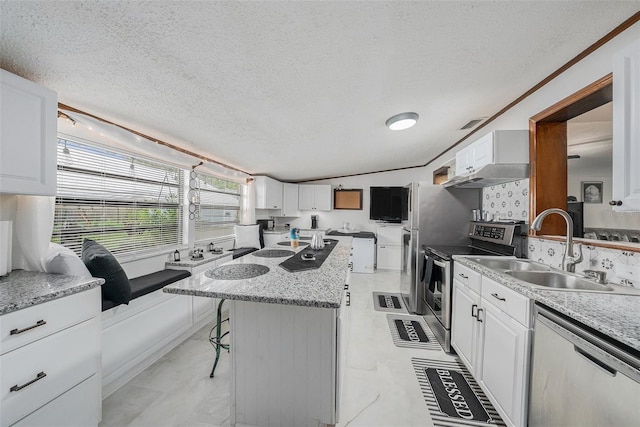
pixel 402 121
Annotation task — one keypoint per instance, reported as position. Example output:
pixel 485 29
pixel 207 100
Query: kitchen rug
pixel 384 301
pixel 452 396
pixel 411 332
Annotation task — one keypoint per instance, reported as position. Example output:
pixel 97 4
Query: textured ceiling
pixel 298 90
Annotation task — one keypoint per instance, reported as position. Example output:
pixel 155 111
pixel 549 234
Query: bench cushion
pixel 149 283
pixel 152 282
pixel 237 253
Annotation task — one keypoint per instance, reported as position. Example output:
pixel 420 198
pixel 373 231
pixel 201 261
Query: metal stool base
pixel 216 341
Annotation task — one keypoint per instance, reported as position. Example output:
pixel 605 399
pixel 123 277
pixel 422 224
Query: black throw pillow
pixel 101 263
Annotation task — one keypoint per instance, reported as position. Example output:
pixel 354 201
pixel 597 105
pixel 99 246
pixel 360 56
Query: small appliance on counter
pixel 266 224
pixel 314 222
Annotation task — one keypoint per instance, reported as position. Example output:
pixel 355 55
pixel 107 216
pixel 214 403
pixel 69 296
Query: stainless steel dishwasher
pixel 579 379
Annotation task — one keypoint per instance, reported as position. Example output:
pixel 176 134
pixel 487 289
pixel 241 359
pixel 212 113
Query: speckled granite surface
pixel 316 288
pixel 617 316
pixel 21 289
pixel 188 262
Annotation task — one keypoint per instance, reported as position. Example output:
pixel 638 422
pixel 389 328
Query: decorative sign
pixel 347 199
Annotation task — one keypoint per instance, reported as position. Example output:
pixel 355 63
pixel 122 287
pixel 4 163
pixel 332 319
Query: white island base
pixel 285 364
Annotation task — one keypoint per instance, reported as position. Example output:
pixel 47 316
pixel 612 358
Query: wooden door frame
pixel 548 152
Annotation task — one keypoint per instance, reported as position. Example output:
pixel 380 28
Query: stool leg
pixel 217 344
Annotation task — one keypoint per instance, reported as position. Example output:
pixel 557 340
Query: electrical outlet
pixel 628 272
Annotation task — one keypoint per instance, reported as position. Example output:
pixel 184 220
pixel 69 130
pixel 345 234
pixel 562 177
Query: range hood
pixel 491 174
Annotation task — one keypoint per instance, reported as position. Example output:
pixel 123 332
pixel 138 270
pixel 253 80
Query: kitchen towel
pixel 452 396
pixel 411 332
pixel 385 301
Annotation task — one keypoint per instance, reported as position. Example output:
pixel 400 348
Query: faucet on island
pixel 569 259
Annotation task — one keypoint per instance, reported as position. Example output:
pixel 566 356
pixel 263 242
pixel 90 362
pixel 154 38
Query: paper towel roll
pixel 6 229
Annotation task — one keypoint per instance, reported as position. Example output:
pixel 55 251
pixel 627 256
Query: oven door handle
pixel 441 264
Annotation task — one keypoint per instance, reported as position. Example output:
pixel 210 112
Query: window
pixel 125 202
pixel 219 207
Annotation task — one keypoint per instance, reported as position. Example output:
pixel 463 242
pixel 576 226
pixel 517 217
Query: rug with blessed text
pixel 411 332
pixel 389 302
pixel 452 396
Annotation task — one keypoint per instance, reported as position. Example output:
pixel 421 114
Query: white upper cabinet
pixel 290 200
pixel 268 193
pixel 27 137
pixel 626 128
pixel 500 146
pixel 314 197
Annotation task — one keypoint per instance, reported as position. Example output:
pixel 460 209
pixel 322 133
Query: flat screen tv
pixel 389 204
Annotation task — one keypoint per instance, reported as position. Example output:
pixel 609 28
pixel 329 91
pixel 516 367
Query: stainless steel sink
pixel 510 264
pixel 555 280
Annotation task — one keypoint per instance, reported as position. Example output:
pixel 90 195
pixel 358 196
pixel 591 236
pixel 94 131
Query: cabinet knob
pixel 616 203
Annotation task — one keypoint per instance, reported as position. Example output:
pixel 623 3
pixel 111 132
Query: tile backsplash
pixel 508 201
pixel 550 252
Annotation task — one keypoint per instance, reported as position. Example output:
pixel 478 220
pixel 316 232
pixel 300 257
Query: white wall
pixel 357 219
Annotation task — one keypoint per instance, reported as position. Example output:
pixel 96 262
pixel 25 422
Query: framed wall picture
pixel 347 199
pixel 592 191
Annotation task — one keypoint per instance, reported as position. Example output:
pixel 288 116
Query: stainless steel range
pixel 436 292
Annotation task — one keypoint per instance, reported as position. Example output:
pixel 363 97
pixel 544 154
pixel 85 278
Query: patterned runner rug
pixel 452 395
pixel 411 332
pixel 385 301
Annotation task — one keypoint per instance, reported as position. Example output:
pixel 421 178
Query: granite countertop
pixel 322 287
pixel 21 289
pixel 188 262
pixel 614 315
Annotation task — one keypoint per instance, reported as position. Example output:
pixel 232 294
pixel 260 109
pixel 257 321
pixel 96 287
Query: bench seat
pixel 237 253
pixel 149 283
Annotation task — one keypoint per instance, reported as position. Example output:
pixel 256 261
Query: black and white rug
pixel 385 301
pixel 411 332
pixel 453 397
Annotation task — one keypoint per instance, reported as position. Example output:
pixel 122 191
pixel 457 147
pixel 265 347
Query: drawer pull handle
pixel 348 299
pixel 498 297
pixel 38 377
pixel 463 276
pixel 19 331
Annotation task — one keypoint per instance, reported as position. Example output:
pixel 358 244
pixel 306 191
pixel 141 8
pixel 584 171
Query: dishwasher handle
pixel 594 361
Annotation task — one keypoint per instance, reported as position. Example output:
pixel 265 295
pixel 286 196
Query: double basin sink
pixel 544 277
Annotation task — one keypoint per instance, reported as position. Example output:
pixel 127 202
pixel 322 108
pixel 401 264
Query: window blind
pixel 125 202
pixel 219 207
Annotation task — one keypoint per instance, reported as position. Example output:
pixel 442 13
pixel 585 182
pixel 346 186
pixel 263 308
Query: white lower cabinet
pixel 491 332
pixel 389 257
pixel 464 324
pixel 52 377
pixel 504 363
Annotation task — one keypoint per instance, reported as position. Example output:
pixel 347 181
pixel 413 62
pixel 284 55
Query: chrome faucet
pixel 599 276
pixel 569 259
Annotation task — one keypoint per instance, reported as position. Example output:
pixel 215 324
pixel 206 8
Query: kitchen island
pixel 286 328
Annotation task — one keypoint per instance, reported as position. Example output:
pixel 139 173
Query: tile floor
pixel 380 388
